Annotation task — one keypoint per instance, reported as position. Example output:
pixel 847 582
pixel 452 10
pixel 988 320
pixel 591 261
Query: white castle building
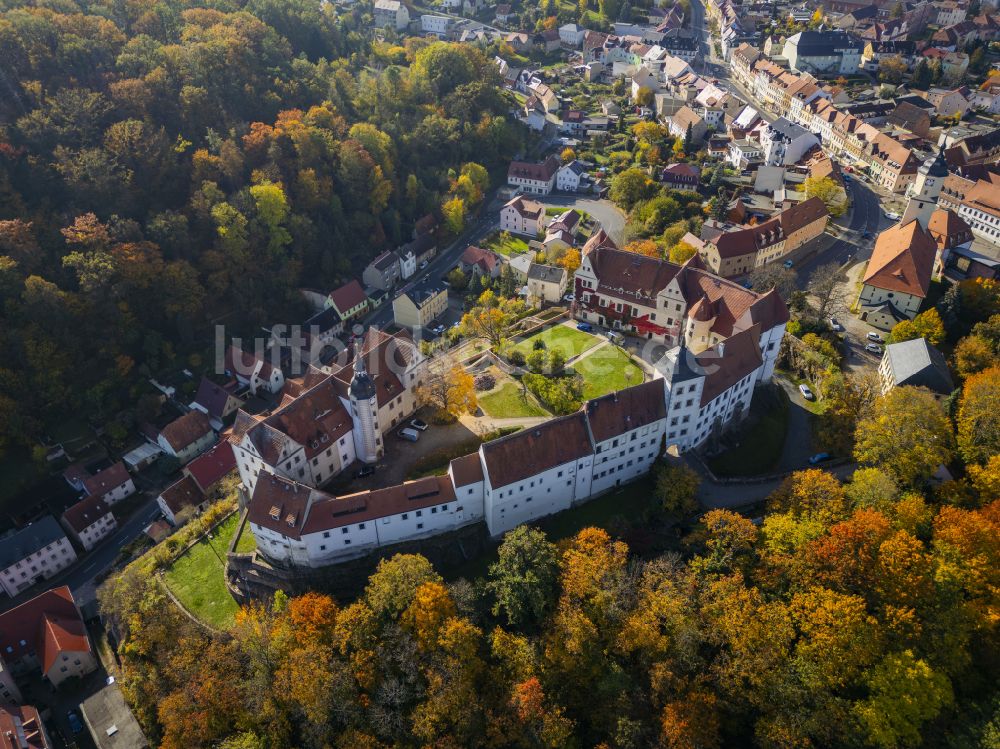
pixel 706 382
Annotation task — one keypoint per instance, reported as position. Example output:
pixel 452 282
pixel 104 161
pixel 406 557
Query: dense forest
pixel 166 165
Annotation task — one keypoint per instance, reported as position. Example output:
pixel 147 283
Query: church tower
pixel 923 193
pixel 364 410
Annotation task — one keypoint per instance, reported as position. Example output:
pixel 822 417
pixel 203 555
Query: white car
pixel 569 298
pixel 892 215
pixel 873 348
pixel 806 392
pixel 836 326
pixel 423 265
pixel 874 337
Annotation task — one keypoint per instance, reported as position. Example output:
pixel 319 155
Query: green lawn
pixel 247 542
pixel 606 370
pixel 512 246
pixel 760 445
pixel 508 402
pixel 570 341
pixel 198 581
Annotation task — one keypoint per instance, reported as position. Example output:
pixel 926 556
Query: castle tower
pixel 700 319
pixel 923 193
pixel 364 410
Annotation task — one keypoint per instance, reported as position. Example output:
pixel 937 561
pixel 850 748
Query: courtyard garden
pixel 505 243
pixel 606 370
pixel 563 338
pixel 510 401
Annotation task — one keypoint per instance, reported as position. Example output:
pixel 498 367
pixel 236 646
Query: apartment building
pixel 36 552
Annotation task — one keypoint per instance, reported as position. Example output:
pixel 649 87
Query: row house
pixel 89 521
pixel 383 272
pixel 186 437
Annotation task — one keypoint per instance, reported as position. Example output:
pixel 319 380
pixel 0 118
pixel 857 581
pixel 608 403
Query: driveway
pixel 798 439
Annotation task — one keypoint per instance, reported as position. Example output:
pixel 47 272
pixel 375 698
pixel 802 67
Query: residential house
pixel 47 634
pixel 113 484
pixel 35 552
pixel 534 114
pixel 210 469
pixel 520 265
pixel 823 53
pixel 953 66
pixel 546 41
pixel 349 300
pixel 187 436
pixel 424 302
pixel 571 35
pixel 180 496
pixel 391 14
pixel 963 263
pixel 950 232
pixel 686 119
pixel 949 12
pixel 545 95
pixel 545 284
pixel 89 521
pixel 744 153
pixel 785 143
pixel 439 26
pixel 570 176
pixel 21 727
pixel 407 263
pixel 738 252
pixel 898 276
pixel 536 179
pixel 254 371
pixel 218 402
pixel 383 272
pixel 503 13
pixel 947 102
pixel 681 176
pixel 522 216
pixel 476 261
pixel 889 162
pixel 915 363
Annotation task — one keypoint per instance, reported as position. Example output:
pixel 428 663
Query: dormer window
pixel 290 519
pixel 275 513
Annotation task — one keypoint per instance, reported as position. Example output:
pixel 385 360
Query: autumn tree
pixel 448 388
pixel 972 354
pixel 491 318
pixel 681 252
pixel 979 416
pixel 631 186
pixel 677 488
pixel 646 247
pixel 826 189
pixel 926 325
pixel 906 434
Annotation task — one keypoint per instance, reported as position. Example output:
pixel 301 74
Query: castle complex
pixel 723 341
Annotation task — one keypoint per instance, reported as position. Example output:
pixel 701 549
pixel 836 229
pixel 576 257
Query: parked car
pixel 873 348
pixel 569 298
pixel 836 326
pixel 819 458
pixel 614 337
pixel 410 435
pixel 586 327
pixel 423 264
pixel 892 215
pixel 438 330
pixel 74 722
pixel 806 392
pixel 746 284
pixel 364 471
pixel 418 424
pixel 787 264
pixel 872 336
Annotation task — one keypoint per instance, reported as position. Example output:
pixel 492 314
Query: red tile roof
pixel 334 512
pixel 280 505
pixel 86 512
pixel 485 259
pixel 948 228
pixel 625 410
pixel 540 172
pixel 902 260
pixel 186 430
pixel 728 362
pixel 467 470
pixel 48 624
pixel 213 397
pixel 106 480
pixel 209 468
pixel 15 720
pixel 347 297
pixel 181 494
pixel 239 362
pixel 536 449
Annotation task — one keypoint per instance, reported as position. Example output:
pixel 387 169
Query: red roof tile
pixel 347 297
pixel 536 449
pixel 106 480
pixel 212 466
pixel 467 470
pixel 186 430
pixel 14 720
pixel 47 624
pixel 625 410
pixel 86 512
pixel 902 260
pixel 181 494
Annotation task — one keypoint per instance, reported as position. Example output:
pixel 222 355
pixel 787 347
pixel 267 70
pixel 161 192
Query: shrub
pixel 516 358
pixel 538 345
pixel 484 381
pixel 536 361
